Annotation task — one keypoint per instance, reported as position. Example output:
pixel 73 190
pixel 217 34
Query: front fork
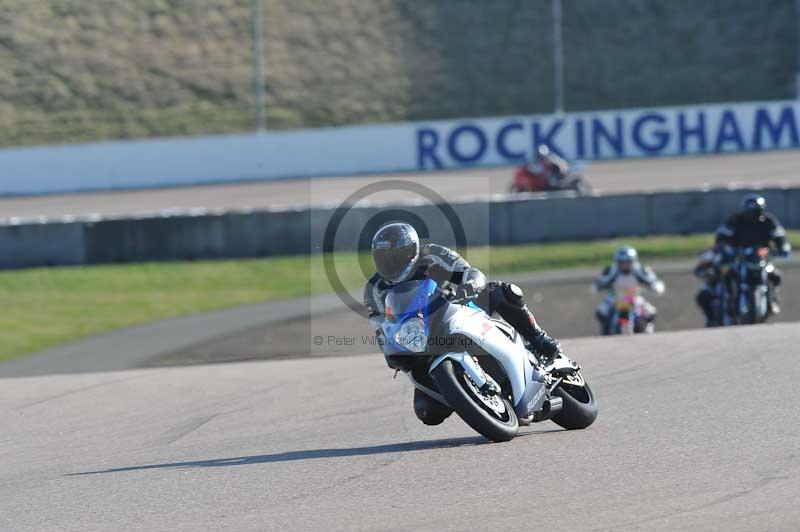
pixel 746 290
pixel 471 368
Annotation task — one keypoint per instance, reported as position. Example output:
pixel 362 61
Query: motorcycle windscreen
pixel 406 324
pixel 409 299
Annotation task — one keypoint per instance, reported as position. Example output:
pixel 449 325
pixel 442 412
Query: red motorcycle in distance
pixel 631 315
pixel 527 180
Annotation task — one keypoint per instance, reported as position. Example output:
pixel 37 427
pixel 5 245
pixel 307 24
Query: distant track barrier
pixel 506 220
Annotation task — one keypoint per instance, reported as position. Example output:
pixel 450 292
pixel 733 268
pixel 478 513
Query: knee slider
pixel 513 294
pixel 429 411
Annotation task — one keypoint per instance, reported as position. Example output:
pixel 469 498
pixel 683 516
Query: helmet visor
pixel 394 263
pixel 754 207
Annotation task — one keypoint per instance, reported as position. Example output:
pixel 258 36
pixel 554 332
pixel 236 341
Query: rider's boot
pixel 605 325
pixel 537 338
pixel 516 312
pixel 705 300
pixel 774 298
pixel 774 301
pixel 511 306
pixel 544 343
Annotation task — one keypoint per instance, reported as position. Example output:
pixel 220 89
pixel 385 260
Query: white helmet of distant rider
pixel 626 259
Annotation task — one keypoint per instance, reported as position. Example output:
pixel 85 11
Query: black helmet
pixel 395 250
pixel 754 205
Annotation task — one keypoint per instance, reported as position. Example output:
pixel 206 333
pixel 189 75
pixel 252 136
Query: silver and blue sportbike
pixel 479 366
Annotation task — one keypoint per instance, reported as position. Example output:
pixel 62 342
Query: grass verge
pixel 50 306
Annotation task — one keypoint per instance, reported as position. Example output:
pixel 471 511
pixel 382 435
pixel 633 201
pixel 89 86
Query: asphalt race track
pixel 697 431
pixel 667 173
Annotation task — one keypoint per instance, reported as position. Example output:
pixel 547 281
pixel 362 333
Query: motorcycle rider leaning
pixel 398 257
pixel 626 270
pixel 753 226
pixel 547 168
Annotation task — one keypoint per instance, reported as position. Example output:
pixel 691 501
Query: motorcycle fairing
pixel 404 301
pixel 418 299
pixel 527 382
pixel 466 360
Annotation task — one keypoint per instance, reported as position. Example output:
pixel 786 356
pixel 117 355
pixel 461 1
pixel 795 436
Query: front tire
pixel 579 407
pixel 461 396
pixel 581 187
pixel 750 316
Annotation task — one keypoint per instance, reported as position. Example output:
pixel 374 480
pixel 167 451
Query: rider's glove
pixel 472 283
pixel 658 287
pixel 466 291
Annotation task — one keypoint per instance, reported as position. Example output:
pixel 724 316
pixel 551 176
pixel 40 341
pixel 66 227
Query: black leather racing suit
pixel 742 231
pixel 443 264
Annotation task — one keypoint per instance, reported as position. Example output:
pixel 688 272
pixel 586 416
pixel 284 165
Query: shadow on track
pixel 291 456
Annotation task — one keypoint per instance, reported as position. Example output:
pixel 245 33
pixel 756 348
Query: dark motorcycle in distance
pixel 724 308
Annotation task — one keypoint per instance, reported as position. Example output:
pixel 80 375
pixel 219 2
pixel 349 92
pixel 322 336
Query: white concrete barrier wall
pixel 447 144
pixel 510 221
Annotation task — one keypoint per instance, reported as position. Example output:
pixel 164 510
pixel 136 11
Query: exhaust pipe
pixel 550 408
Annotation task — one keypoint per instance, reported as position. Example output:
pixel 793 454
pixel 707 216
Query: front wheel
pixel 749 311
pixel 492 416
pixel 581 187
pixel 579 407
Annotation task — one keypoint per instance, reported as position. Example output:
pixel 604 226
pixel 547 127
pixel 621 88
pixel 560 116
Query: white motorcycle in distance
pixel 479 366
pixel 631 313
pixel 753 269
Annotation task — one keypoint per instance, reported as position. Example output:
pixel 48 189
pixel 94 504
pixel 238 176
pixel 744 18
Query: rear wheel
pixel 579 407
pixel 490 415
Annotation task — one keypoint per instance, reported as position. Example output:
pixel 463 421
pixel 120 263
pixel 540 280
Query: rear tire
pixel 450 380
pixel 579 407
